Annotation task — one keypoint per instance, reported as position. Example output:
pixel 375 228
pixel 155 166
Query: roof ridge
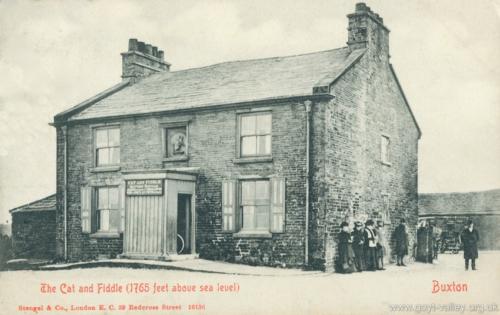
pixel 255 59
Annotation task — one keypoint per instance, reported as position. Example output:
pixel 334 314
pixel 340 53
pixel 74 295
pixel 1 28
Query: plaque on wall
pixel 145 187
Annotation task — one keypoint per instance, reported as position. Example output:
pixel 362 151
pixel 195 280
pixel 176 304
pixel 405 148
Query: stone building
pixel 451 211
pixel 254 161
pixel 34 229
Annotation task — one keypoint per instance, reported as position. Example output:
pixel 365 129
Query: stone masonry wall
pixel 367 105
pixel 34 234
pixel 212 148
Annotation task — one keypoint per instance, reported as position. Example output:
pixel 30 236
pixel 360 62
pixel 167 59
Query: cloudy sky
pixel 54 54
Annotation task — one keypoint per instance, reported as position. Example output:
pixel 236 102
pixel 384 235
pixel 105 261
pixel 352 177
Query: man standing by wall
pixel 401 238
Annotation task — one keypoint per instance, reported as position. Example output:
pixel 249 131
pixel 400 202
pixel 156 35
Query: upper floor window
pixel 384 149
pixel 107 146
pixel 108 214
pixel 255 134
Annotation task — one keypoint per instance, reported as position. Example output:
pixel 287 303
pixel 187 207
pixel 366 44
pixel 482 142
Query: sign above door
pixel 145 187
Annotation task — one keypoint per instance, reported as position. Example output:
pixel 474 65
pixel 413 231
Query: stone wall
pixel 212 148
pixel 34 234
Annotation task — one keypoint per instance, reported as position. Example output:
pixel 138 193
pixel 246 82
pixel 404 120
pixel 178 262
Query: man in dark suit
pixel 401 239
pixel 469 238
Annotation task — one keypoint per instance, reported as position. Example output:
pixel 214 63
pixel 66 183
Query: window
pixel 254 204
pixel 107 146
pixel 255 134
pixel 108 214
pixel 253 207
pixel 384 149
pixel 103 209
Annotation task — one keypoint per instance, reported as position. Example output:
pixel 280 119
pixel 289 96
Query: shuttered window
pixel 254 205
pixel 228 206
pixel 86 208
pixel 108 214
pixel 258 207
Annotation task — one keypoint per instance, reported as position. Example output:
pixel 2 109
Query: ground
pixel 394 290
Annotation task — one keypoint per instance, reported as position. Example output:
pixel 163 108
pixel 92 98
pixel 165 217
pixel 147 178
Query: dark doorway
pixel 183 224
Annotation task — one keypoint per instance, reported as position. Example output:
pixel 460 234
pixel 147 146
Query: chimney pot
pixel 137 65
pixel 141 47
pixel 361 7
pixel 132 44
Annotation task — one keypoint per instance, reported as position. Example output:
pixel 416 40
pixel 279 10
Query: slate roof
pixel 482 202
pixel 45 204
pixel 223 83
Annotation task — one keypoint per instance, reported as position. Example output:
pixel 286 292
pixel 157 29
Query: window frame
pixel 97 128
pixel 239 136
pixel 96 211
pixel 240 215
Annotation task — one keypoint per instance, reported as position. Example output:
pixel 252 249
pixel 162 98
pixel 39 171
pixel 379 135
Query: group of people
pixel 364 248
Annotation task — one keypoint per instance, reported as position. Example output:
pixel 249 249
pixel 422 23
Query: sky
pixel 55 54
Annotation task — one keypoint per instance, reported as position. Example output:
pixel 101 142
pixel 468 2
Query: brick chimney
pixel 367 30
pixel 141 60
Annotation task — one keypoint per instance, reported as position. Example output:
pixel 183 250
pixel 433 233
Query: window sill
pixel 105 235
pixel 176 159
pixel 251 234
pixel 256 159
pixel 102 169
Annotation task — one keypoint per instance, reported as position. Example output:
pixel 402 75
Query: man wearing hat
pixel 358 244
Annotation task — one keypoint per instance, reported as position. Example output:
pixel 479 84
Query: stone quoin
pixel 254 161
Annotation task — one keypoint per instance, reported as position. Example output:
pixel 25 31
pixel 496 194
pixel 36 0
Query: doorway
pixel 183 224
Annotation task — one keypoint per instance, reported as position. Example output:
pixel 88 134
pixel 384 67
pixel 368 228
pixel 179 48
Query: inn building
pixel 253 161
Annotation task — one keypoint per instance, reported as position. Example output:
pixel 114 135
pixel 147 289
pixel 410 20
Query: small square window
pixel 176 143
pixel 255 134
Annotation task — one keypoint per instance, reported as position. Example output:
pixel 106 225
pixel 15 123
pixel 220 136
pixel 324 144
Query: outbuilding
pixel 34 229
pixel 450 212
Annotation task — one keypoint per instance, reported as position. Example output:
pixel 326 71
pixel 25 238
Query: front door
pixel 183 224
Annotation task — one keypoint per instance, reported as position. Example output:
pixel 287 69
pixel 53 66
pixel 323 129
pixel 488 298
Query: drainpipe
pixel 308 106
pixel 65 174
